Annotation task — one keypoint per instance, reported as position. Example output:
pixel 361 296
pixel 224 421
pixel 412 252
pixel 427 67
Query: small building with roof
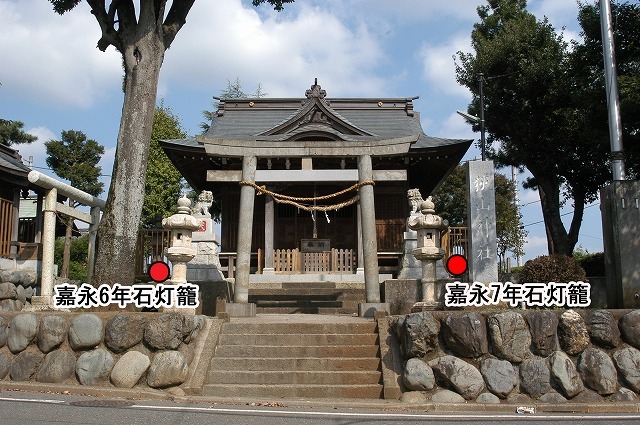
pixel 314 184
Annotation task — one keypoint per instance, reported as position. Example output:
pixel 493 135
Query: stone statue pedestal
pixel 205 266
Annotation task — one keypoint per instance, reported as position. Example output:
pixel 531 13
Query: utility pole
pixel 613 101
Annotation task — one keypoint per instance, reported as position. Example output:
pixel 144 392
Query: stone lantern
pixel 182 225
pixel 428 227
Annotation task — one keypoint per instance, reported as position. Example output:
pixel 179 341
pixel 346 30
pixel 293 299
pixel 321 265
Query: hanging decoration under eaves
pixel 298 202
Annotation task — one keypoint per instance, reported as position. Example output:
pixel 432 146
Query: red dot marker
pixel 457 265
pixel 159 271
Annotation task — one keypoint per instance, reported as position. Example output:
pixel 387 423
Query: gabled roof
pixel 284 127
pixel 316 117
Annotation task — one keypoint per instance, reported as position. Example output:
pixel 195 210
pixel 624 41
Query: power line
pixel 591 237
pixel 50 169
pixel 561 215
pixel 529 203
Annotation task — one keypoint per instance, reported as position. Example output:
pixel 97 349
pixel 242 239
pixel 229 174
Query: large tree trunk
pixel 558 240
pixel 118 228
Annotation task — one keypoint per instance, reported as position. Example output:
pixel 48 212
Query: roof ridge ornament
pixel 315 91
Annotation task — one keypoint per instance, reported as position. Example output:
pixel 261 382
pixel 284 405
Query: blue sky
pixel 54 78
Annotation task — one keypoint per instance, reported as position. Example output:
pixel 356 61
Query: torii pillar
pixel 369 241
pixel 241 306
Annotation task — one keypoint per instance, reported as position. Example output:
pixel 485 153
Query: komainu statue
pixel 205 200
pixel 415 199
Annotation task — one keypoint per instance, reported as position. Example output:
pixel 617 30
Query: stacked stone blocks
pixel 124 350
pixel 533 356
pixel 16 289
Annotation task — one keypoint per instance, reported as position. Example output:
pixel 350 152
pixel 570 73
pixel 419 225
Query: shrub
pixel 593 264
pixel 78 256
pixel 552 268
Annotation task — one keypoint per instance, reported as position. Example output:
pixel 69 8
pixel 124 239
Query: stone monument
pixel 428 227
pixel 411 267
pixel 182 224
pixel 205 267
pixel 620 209
pixel 481 219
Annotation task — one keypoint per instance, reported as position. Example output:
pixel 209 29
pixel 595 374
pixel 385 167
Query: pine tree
pixel 74 158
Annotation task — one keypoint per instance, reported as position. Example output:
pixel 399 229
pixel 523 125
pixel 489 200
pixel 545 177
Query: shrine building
pixel 314 184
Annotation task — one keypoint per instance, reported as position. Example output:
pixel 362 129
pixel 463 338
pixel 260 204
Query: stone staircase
pixel 307 297
pixel 296 356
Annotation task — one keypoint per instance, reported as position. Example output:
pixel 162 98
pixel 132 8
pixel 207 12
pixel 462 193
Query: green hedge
pixel 552 268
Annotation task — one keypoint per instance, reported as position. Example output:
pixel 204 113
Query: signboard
pixel 315 245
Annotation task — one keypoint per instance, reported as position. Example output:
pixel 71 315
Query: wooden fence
pixel 294 261
pixel 150 247
pixel 6 226
pixel 455 241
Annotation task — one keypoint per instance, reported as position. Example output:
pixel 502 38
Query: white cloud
pixel 36 149
pixel 52 58
pixel 416 10
pixel 528 196
pixel 438 64
pixel 228 40
pixel 562 14
pixel 535 246
pixel 456 127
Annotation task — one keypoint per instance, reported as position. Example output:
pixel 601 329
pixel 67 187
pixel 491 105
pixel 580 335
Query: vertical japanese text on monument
pixel 482 255
pixel 482 184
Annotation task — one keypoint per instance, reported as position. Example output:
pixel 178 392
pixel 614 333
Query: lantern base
pixel 240 309
pixel 427 306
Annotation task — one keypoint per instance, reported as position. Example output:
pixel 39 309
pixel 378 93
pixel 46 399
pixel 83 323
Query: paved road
pixel 27 409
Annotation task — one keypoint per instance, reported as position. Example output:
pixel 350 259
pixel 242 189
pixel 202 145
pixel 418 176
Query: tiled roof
pixel 238 121
pixel 10 162
pixel 261 121
pixel 374 119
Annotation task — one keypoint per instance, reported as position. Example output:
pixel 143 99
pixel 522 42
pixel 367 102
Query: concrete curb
pixel 385 405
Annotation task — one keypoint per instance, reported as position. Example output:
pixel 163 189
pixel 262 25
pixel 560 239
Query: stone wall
pixel 99 349
pixel 531 356
pixel 16 289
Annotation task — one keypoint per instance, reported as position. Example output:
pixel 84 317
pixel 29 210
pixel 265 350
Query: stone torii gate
pixel 251 175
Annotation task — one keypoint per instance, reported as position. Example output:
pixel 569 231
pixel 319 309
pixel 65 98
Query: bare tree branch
pixel 176 18
pixel 106 22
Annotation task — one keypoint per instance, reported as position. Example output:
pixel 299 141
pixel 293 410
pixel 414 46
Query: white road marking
pixel 393 415
pixel 32 400
pixel 443 415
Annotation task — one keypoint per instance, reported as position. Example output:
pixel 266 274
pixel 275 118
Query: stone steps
pixel 269 392
pixel 307 297
pixel 258 351
pixel 291 377
pixel 293 363
pixel 293 339
pixel 273 357
pixel 293 327
pixel 346 310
